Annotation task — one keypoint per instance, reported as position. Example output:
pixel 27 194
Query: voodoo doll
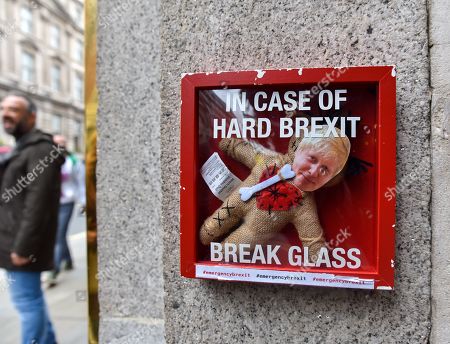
pixel 253 213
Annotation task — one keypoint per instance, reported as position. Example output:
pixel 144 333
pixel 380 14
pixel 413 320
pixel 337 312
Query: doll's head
pixel 318 159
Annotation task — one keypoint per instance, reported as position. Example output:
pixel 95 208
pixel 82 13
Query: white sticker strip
pixel 281 277
pixel 218 177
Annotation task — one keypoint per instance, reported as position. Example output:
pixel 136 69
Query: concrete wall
pixel 210 35
pixel 128 175
pixel 207 35
pixel 439 32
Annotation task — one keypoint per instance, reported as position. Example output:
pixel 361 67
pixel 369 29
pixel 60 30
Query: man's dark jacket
pixel 30 179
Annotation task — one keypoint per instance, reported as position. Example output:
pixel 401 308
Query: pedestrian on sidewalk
pixel 29 200
pixel 72 191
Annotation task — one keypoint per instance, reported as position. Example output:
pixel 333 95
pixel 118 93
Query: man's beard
pixel 17 130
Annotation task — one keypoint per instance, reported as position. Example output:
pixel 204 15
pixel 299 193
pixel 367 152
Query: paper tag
pixel 218 177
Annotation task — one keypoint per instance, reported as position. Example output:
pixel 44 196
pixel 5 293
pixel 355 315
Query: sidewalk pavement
pixel 67 301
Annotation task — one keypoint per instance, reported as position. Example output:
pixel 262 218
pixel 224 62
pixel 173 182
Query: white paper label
pixel 281 277
pixel 218 177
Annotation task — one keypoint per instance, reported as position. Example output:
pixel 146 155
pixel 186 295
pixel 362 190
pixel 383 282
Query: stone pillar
pixel 128 174
pixel 440 120
pixel 207 35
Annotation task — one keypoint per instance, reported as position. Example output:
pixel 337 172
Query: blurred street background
pixel 42 56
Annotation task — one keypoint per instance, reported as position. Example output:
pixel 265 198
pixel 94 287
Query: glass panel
pixel 26 19
pixel 55 37
pixel 260 122
pixel 56 78
pixel 28 67
pixel 79 92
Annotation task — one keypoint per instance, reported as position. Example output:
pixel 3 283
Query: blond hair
pixel 337 148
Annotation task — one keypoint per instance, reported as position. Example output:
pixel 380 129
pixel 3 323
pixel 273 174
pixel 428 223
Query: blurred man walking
pixel 29 200
pixel 72 191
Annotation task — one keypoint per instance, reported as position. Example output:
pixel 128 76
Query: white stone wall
pixel 128 173
pixel 233 35
pixel 144 49
pixel 439 32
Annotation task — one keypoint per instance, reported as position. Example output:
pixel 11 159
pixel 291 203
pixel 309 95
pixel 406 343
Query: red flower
pixel 280 196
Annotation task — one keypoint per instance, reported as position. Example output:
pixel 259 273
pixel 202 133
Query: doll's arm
pixel 308 227
pixel 240 150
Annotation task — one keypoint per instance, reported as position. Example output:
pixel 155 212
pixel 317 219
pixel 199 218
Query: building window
pixel 77 136
pixel 27 67
pixel 55 78
pixel 26 19
pixel 78 88
pixel 78 128
pixel 79 51
pixel 79 15
pixel 56 124
pixel 55 37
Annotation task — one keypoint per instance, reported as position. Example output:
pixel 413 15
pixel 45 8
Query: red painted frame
pixel 385 78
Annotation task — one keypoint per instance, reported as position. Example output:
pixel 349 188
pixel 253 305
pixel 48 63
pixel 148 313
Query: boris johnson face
pixel 313 169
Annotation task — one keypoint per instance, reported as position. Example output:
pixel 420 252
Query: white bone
pixel 284 173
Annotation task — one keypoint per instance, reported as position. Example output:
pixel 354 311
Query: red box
pixel 357 213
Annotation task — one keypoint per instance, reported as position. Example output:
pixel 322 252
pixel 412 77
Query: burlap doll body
pixel 257 220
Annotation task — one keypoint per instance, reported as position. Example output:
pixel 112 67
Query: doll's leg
pixel 244 235
pixel 257 229
pixel 307 223
pixel 222 221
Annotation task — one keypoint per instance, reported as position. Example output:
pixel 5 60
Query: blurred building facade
pixel 42 55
